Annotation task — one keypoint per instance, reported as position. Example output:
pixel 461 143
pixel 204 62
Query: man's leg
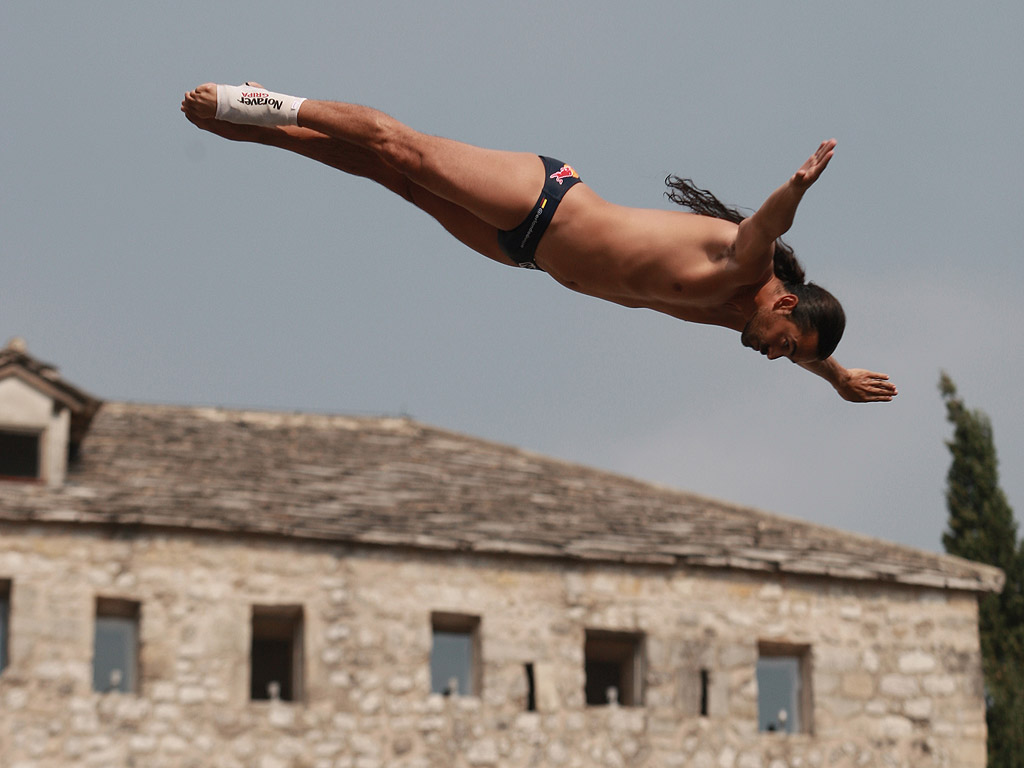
pixel 355 160
pixel 497 187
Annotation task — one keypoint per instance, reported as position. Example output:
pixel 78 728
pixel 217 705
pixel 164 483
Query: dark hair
pixel 817 309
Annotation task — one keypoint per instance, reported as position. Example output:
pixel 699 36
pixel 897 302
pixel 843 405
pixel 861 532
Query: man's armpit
pixel 726 254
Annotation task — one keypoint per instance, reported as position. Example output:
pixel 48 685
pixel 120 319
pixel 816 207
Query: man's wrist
pixel 841 377
pixel 799 186
pixel 832 372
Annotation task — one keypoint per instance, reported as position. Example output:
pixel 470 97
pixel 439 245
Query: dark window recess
pixel 19 455
pixel 276 654
pixel 614 668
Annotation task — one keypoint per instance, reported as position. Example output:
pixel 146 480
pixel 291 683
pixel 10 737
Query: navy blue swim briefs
pixel 520 244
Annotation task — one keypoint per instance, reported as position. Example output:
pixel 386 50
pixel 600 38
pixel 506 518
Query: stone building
pixel 186 586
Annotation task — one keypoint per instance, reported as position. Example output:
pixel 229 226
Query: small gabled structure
pixel 43 418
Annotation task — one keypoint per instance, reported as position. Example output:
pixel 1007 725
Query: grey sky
pixel 153 262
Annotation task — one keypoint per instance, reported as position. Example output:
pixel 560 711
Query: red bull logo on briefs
pixel 565 172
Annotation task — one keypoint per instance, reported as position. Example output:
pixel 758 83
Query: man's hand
pixel 775 216
pixel 853 384
pixel 811 170
pixel 861 386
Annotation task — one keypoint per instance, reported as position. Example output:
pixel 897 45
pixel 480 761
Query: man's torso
pixel 673 262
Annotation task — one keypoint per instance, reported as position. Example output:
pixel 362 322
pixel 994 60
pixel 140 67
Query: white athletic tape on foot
pixel 248 105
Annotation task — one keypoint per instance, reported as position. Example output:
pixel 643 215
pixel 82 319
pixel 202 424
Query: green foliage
pixel 982 528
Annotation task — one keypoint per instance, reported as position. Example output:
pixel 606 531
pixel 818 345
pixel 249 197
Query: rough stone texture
pixel 899 685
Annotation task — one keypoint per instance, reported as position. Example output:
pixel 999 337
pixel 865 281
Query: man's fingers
pixel 877 398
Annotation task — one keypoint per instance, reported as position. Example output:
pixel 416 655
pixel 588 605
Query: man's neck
pixel 766 295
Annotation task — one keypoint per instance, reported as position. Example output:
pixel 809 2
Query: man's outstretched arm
pixel 854 384
pixel 775 216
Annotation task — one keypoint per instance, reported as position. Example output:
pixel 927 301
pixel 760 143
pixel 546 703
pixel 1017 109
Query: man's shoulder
pixel 752 248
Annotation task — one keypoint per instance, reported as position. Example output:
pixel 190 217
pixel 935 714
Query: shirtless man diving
pixel 713 266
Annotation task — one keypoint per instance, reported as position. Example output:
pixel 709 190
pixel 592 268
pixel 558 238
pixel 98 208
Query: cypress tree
pixel 982 528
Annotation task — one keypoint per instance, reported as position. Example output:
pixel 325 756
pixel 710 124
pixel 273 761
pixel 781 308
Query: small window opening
pixel 276 660
pixel 455 655
pixel 614 668
pixel 783 688
pixel 115 663
pixel 19 455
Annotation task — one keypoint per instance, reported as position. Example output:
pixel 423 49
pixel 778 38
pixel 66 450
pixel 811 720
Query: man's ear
pixel 786 303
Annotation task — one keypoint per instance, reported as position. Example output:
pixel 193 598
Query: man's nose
pixel 774 353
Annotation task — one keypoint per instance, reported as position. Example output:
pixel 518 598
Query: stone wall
pixel 895 674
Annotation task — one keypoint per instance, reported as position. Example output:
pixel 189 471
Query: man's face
pixel 772 333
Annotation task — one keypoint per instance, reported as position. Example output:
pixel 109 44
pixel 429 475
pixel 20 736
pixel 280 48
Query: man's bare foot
pixel 201 103
pixel 200 107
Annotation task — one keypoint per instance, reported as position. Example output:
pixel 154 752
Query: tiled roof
pixel 398 483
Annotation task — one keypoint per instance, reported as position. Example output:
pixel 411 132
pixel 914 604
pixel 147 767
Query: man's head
pixel 814 319
pixel 803 322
